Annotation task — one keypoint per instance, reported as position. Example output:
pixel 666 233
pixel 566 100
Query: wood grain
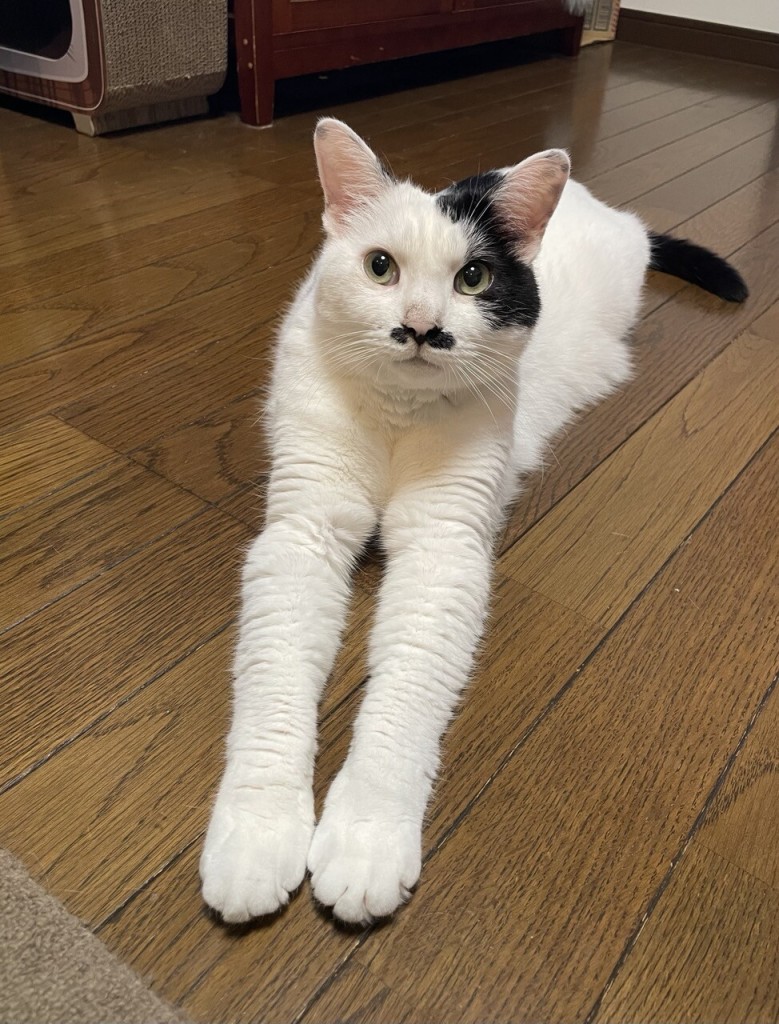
pixel 526 907
pixel 42 456
pixel 48 220
pixel 767 325
pixel 119 823
pixel 178 238
pixel 679 157
pixel 110 301
pixel 199 329
pixel 62 540
pixel 709 952
pixel 216 455
pixel 635 509
pixel 725 227
pixel 741 824
pixel 74 662
pixel 693 191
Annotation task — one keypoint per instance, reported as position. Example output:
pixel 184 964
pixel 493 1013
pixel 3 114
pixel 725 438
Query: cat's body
pixel 410 404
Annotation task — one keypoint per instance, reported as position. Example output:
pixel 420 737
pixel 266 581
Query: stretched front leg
pixel 295 589
pixel 366 851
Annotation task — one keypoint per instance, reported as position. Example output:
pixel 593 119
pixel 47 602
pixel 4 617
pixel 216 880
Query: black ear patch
pixel 512 300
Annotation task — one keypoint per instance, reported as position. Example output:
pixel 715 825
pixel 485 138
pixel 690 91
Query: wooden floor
pixel 602 845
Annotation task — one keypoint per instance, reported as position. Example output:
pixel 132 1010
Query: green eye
pixel 380 267
pixel 473 279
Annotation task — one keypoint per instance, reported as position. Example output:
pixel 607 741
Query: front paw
pixel 365 856
pixel 255 850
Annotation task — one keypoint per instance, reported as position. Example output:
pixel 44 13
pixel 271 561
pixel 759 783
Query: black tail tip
pixel 733 287
pixel 699 266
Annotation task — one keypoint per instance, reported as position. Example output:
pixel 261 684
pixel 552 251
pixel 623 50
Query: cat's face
pixel 428 292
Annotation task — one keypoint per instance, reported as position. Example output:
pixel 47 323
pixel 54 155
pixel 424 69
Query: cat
pixel 438 344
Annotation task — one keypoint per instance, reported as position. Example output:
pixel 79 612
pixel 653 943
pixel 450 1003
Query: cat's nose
pixel 418 327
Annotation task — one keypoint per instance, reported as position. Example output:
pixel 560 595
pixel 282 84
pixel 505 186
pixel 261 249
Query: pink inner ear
pixel 528 198
pixel 348 170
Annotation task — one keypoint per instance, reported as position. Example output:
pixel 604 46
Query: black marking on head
pixel 512 299
pixel 399 334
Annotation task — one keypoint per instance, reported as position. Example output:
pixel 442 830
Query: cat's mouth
pixel 418 364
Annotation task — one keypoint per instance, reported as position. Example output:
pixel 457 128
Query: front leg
pixel 295 589
pixel 366 852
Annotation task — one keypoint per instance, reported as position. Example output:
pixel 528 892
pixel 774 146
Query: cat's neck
pixel 401 407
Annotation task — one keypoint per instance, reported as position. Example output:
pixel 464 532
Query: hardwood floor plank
pixel 612 93
pixel 41 325
pixel 147 405
pixel 524 910
pixel 667 162
pixel 42 456
pixel 212 970
pixel 217 455
pixel 158 751
pixel 408 107
pixel 767 325
pixel 246 504
pixel 658 136
pixel 151 286
pixel 742 822
pixel 719 915
pixel 80 657
pixel 597 549
pixel 179 240
pixel 46 225
pixel 373 1000
pixel 60 541
pixel 216 326
pixel 708 952
pixel 694 191
pixel 78 831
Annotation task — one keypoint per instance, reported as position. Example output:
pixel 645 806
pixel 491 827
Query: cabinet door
pixel 300 15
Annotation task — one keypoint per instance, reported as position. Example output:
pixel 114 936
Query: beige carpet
pixel 54 971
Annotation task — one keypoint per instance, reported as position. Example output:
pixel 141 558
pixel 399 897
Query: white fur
pixel 431 455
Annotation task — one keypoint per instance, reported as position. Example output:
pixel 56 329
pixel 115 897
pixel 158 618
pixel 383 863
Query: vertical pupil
pixel 380 264
pixel 472 275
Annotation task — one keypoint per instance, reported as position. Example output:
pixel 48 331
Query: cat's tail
pixel 693 263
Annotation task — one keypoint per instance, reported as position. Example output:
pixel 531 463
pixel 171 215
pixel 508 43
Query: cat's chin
pixel 417 371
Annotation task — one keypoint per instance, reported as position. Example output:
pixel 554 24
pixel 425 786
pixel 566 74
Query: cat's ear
pixel 528 196
pixel 349 171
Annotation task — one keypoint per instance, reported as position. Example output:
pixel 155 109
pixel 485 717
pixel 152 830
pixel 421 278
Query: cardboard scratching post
pixel 116 63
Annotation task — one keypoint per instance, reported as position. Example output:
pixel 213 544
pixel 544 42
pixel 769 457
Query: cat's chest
pixel 450 450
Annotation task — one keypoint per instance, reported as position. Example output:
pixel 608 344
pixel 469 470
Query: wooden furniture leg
pixel 253 20
pixel 571 39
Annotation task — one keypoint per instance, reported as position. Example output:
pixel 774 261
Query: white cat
pixel 437 345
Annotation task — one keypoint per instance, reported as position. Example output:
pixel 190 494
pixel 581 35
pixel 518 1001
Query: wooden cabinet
pixel 299 15
pixel 281 38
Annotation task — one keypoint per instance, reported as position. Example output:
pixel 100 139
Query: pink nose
pixel 419 325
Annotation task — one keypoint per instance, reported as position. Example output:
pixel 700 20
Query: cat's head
pixel 424 291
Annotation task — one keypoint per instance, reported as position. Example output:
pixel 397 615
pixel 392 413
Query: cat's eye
pixel 380 267
pixel 473 279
